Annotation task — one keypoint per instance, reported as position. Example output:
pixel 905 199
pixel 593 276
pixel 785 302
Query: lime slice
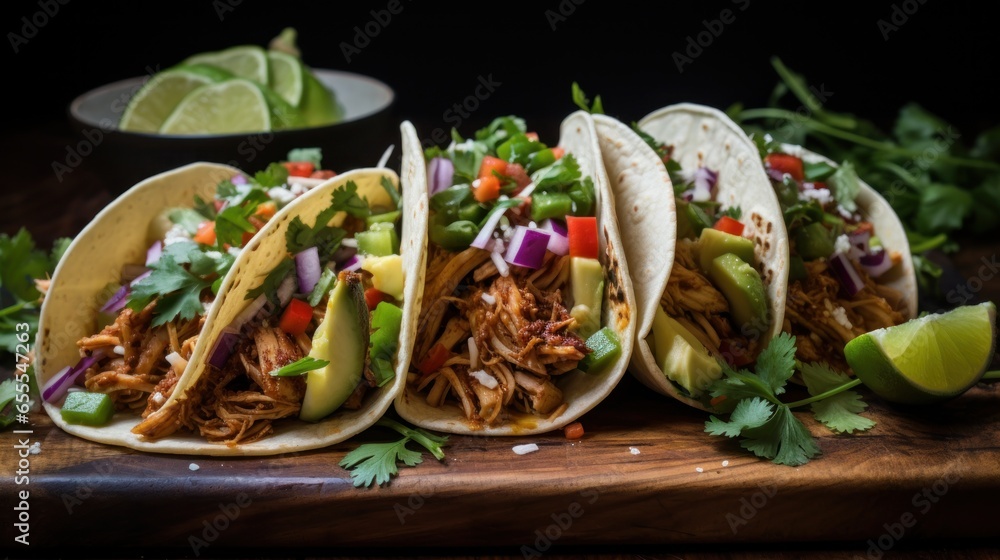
pixel 319 104
pixel 244 61
pixel 154 102
pixel 925 360
pixel 232 106
pixel 285 76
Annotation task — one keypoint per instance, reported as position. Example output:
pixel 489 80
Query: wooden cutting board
pixel 644 474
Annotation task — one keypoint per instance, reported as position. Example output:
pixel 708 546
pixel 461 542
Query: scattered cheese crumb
pixel 725 463
pixel 822 196
pixel 840 315
pixel 484 379
pixel 842 245
pixel 194 466
pixel 280 195
pixel 35 448
pixel 526 448
pixel 634 450
pixel 175 234
pixel 699 469
pixel 120 350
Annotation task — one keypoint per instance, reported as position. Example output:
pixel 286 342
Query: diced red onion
pixel 140 278
pixel 117 301
pixel 775 175
pixel 344 253
pixel 705 179
pixel 352 264
pixel 875 264
pixel 249 313
pixel 56 387
pixel 527 247
pixel 224 346
pixel 487 232
pixel 238 180
pixel 285 290
pixel 558 238
pixel 154 252
pixel 308 269
pixel 440 173
pixel 848 276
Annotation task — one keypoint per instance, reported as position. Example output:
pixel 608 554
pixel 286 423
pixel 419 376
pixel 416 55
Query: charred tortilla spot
pixel 757 220
pixel 704 126
pixel 769 227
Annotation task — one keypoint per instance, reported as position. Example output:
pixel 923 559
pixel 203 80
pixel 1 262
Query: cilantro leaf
pixel 749 413
pixel 776 362
pixel 840 412
pixel 581 101
pixel 274 175
pixel 189 219
pixel 846 186
pixel 942 208
pixel 783 439
pixel 346 199
pixel 377 462
pixel 7 396
pixel 301 366
pixel 20 264
pixel 178 290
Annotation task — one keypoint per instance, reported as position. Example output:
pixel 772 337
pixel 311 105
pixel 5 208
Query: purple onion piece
pixel 56 387
pixel 132 271
pixel 238 180
pixel 140 278
pixel 527 247
pixel 775 175
pixel 307 269
pixel 223 348
pixel 154 252
pixel 440 173
pixel 286 289
pixel 848 276
pixel 344 253
pixel 558 238
pixel 117 301
pixel 876 264
pixel 353 264
pixel 487 232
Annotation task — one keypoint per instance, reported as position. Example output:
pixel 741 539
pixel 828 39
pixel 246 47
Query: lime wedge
pixel 232 106
pixel 285 76
pixel 319 104
pixel 244 61
pixel 154 102
pixel 925 360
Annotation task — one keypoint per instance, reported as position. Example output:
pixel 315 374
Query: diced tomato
pixel 486 189
pixel 373 297
pixel 436 357
pixel 533 136
pixel 491 164
pixel 323 174
pixel 247 236
pixel 206 233
pixel 582 234
pixel 573 431
pixel 517 172
pixel 729 225
pixel 218 205
pixel 266 210
pixel 558 152
pixel 786 163
pixel 296 317
pixel 299 168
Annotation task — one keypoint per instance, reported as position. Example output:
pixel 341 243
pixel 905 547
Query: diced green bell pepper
pixel 605 349
pixel 92 409
pixel 380 240
pixel 386 321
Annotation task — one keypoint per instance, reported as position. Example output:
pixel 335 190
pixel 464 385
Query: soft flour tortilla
pixel 581 391
pixel 700 137
pixel 259 256
pixel 877 210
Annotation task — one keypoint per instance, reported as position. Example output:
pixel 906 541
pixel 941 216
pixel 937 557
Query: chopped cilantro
pixel 274 175
pixel 176 290
pixel 301 366
pixel 377 462
pixel 271 282
pixel 581 101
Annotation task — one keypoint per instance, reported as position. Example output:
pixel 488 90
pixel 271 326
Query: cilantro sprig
pixel 21 263
pixel 299 367
pixel 766 424
pixel 378 462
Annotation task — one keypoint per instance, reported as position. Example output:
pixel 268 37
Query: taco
pixel 308 343
pixel 850 268
pixel 704 238
pixel 527 317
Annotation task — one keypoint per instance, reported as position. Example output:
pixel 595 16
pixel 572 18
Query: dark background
pixel 943 56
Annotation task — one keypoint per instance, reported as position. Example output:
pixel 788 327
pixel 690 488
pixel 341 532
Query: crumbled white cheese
pixel 35 448
pixel 725 463
pixel 699 469
pixel 634 450
pixel 823 196
pixel 175 234
pixel 844 213
pixel 194 466
pixel 120 350
pixel 842 244
pixel 840 315
pixel 484 379
pixel 214 255
pixel 297 189
pixel 234 251
pixel 790 149
pixel 280 195
pixel 526 448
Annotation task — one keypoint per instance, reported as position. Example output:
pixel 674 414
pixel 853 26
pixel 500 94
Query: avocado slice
pixel 587 281
pixel 743 288
pixel 714 242
pixel 342 338
pixel 681 356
